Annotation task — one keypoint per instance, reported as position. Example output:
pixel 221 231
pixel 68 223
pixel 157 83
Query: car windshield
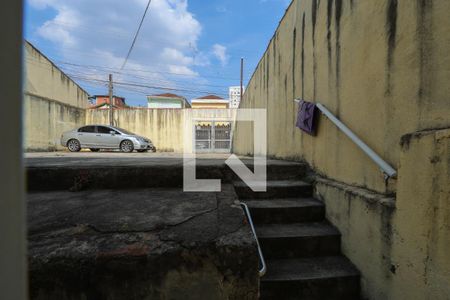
pixel 124 131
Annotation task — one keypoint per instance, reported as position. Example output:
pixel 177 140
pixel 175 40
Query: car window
pixel 103 129
pixel 125 131
pixel 87 129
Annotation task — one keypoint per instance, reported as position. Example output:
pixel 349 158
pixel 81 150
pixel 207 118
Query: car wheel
pixel 142 151
pixel 154 149
pixel 73 145
pixel 126 146
pixel 94 150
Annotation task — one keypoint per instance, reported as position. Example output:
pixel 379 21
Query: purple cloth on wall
pixel 305 117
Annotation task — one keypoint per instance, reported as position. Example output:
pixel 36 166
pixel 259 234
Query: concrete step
pixel 286 210
pixel 298 240
pixel 119 171
pixel 324 278
pixel 275 189
pixel 278 170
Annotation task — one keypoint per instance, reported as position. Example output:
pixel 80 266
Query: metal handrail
pixel 263 269
pixel 384 166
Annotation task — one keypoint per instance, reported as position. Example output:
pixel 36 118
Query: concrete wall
pixel 45 79
pixel 420 253
pixel 167 128
pixel 381 66
pixel 53 103
pixel 364 219
pixel 400 245
pixel 45 121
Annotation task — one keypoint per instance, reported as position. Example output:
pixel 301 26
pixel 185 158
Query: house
pixel 210 101
pixel 97 100
pixel 167 101
pixel 104 105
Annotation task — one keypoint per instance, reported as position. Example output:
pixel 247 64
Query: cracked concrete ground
pixel 140 244
pixel 112 225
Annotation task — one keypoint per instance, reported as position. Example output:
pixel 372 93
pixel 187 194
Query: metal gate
pixel 213 136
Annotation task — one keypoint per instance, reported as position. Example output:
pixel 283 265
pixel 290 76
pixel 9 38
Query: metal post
pixel 242 79
pixel 110 86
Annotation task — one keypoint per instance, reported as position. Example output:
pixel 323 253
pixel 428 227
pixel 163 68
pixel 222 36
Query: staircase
pixel 301 249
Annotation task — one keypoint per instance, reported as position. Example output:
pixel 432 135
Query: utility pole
pixel 242 79
pixel 110 87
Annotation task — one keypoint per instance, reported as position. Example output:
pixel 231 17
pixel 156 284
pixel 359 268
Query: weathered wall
pixel 381 66
pixel 364 219
pixel 45 79
pixel 420 254
pixel 400 246
pixel 45 121
pixel 162 126
pixel 53 103
pixel 167 128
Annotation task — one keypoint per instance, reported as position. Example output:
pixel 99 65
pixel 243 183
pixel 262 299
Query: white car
pixel 96 137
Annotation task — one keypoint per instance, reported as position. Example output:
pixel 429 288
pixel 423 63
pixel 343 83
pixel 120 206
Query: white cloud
pixel 99 33
pixel 220 52
pixel 171 54
pixel 61 34
pixel 182 70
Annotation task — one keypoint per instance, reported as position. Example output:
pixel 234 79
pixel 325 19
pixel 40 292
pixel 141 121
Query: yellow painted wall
pixel 382 68
pixel 364 219
pixel 420 252
pixel 167 128
pixel 209 105
pixel 45 121
pixel 400 244
pixel 44 79
pixel 53 103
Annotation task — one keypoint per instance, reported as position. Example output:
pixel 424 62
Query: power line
pixel 143 70
pixel 215 75
pixel 136 35
pixel 134 84
pixel 92 74
pixel 90 77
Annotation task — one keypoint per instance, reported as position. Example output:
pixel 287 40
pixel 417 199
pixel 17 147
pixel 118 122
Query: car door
pixel 108 139
pixel 86 135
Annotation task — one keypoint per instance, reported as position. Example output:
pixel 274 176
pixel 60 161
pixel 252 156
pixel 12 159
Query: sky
pixel 188 47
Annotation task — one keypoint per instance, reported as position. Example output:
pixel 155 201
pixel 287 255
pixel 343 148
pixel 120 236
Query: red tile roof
pixel 102 104
pixel 168 95
pixel 211 97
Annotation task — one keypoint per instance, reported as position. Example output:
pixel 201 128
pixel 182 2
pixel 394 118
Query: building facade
pixel 235 96
pixel 167 101
pixel 99 101
pixel 210 102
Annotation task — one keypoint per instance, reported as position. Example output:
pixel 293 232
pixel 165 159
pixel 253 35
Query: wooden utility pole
pixel 111 104
pixel 242 79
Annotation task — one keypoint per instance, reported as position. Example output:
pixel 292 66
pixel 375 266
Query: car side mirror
pixel 112 132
